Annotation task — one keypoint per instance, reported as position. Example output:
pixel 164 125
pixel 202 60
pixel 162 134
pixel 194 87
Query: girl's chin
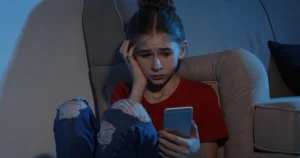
pixel 157 82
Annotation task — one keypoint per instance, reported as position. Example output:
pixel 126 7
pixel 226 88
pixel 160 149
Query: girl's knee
pixel 122 117
pixel 72 108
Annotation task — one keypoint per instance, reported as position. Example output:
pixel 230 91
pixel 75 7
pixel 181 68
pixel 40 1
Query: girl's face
pixel 158 57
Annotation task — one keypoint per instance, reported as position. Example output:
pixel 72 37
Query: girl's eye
pixel 166 54
pixel 145 55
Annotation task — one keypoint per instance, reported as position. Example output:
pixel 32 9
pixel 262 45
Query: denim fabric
pixel 75 130
pixel 125 131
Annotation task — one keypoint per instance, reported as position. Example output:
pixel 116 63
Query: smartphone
pixel 178 120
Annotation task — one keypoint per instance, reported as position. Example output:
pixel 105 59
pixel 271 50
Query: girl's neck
pixel 167 89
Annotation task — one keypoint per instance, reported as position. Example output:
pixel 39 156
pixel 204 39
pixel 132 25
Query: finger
pixel 129 58
pixel 131 50
pixel 163 155
pixel 172 147
pixel 169 153
pixel 126 46
pixel 122 47
pixel 195 133
pixel 173 138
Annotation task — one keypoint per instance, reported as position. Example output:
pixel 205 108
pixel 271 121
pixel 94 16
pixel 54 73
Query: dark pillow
pixel 287 58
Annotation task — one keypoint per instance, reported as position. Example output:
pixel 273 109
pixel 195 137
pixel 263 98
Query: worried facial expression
pixel 158 57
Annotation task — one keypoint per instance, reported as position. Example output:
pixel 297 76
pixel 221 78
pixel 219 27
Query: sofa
pixel 228 49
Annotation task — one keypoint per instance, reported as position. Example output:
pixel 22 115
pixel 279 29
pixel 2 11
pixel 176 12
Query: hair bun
pixel 160 4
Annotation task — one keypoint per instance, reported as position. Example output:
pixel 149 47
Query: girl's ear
pixel 183 49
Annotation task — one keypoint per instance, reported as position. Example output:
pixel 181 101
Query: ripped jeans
pixel 125 131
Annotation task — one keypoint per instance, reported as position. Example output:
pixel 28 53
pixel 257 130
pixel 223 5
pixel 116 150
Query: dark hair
pixel 155 16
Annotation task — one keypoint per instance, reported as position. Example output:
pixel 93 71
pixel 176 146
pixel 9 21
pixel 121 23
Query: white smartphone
pixel 179 120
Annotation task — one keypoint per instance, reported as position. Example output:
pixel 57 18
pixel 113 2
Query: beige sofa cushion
pixel 277 126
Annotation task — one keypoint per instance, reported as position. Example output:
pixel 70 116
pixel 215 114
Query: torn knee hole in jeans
pixel 71 109
pixel 105 135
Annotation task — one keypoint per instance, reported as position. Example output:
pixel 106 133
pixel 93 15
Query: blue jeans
pixel 125 131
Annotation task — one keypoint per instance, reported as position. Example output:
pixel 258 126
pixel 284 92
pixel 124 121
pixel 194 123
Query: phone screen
pixel 179 120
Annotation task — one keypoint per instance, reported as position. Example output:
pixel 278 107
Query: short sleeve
pixel 121 91
pixel 211 124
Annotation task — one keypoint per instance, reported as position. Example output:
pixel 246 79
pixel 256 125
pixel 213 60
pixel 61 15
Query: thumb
pixel 195 133
pixel 196 140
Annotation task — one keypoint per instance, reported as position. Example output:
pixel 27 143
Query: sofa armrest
pixel 277 126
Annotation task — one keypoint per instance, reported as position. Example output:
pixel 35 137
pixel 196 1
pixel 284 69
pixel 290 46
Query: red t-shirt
pixel 207 113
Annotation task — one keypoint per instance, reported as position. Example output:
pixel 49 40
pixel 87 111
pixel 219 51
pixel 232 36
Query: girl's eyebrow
pixel 143 51
pixel 165 49
pixel 148 50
